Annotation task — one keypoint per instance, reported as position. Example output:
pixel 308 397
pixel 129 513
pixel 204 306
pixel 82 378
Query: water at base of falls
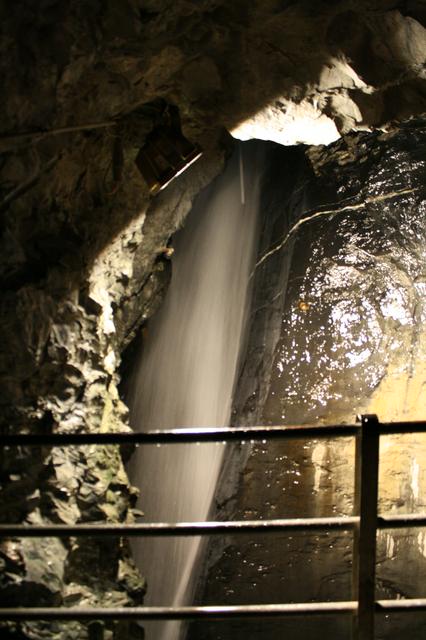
pixel 187 373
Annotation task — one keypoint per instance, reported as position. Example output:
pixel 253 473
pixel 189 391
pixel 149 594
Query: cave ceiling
pixel 292 72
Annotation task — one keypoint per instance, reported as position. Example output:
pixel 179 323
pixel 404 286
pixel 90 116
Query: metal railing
pixel 364 525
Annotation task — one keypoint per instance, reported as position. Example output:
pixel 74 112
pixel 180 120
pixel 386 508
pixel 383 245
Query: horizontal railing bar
pixel 212 612
pixel 401 520
pixel 205 434
pixel 394 428
pixel 179 436
pixel 177 529
pixel 177 613
pixel 418 604
pixel 205 528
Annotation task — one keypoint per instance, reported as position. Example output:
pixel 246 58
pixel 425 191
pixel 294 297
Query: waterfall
pixel 186 376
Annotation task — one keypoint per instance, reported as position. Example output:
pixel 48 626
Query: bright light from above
pixel 289 124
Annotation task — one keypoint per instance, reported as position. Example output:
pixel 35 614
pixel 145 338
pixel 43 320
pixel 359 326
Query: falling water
pixel 187 373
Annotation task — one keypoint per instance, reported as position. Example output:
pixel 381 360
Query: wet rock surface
pixel 350 254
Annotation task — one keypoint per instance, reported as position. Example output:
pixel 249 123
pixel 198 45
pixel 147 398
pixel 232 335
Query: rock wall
pixel 66 315
pixel 82 245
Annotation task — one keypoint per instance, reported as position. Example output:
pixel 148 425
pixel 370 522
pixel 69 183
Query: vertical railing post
pixel 365 505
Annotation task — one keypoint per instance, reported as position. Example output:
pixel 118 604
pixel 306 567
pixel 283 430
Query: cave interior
pixel 319 110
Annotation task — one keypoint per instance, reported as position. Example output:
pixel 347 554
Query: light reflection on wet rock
pixel 354 300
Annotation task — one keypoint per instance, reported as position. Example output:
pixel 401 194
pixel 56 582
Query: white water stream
pixel 186 378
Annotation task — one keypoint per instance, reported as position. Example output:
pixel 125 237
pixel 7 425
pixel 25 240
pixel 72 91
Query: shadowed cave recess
pixel 280 279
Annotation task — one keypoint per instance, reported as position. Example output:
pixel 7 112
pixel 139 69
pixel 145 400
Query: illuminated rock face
pixel 352 331
pixel 343 269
